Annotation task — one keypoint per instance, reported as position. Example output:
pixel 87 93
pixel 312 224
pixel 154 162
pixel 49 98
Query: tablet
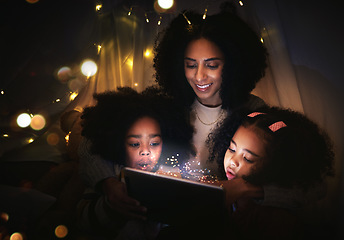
pixel 174 200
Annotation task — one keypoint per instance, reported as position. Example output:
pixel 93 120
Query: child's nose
pixel 145 151
pixel 234 162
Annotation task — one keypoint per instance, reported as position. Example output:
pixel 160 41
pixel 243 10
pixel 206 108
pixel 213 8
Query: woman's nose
pixel 200 73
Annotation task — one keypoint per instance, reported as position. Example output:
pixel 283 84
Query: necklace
pixel 220 115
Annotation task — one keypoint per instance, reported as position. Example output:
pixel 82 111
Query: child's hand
pixel 238 188
pixel 117 196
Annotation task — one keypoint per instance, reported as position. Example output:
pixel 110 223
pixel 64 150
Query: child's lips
pixel 230 174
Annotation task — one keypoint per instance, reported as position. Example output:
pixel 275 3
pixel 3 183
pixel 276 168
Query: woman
pixel 210 67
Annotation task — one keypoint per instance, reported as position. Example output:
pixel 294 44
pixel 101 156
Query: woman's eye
pixel 212 66
pixel 190 66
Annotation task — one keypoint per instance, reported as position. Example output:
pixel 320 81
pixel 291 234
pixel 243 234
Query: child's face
pixel 143 144
pixel 245 151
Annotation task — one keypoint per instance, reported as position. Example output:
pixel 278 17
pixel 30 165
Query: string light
pixel 205 13
pixel 2 92
pixel 73 96
pixel 241 3
pixel 99 7
pixel 99 47
pixel 159 21
pixel 147 20
pixel 186 19
pixel 262 40
pixel 130 10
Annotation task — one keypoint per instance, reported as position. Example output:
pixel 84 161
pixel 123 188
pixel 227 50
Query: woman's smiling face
pixel 203 64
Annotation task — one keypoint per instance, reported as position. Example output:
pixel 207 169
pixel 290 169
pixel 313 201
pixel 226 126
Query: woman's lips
pixel 230 174
pixel 203 88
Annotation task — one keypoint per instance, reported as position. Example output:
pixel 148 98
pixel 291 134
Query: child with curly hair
pixel 271 147
pixel 138 130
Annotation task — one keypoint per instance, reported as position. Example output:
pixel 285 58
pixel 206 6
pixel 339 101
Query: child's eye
pixel 247 160
pixel 154 144
pixel 231 150
pixel 134 144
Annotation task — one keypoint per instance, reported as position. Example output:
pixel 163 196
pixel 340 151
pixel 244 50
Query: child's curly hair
pixel 107 123
pixel 299 154
pixel 245 56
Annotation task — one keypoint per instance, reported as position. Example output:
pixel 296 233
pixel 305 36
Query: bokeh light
pixel 23 120
pixel 16 236
pixel 53 139
pixel 165 4
pixel 76 84
pixel 89 68
pixel 37 122
pixel 4 216
pixel 147 53
pixel 64 74
pixel 32 1
pixel 61 231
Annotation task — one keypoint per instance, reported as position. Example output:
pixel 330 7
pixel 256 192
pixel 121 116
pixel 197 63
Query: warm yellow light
pixel 53 139
pixel 57 100
pixel 61 231
pixel 130 62
pixel 67 138
pixel 89 68
pixel 165 4
pixel 30 140
pixel 73 96
pixel 262 40
pixel 159 22
pixel 147 53
pixel 5 135
pixel 136 84
pixel 99 47
pixel 32 1
pixel 16 236
pixel 37 122
pixel 98 7
pixel 241 3
pixel 4 216
pixel 147 20
pixel 187 19
pixel 64 74
pixel 23 120
pixel 129 13
pixel 205 13
pixel 2 92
